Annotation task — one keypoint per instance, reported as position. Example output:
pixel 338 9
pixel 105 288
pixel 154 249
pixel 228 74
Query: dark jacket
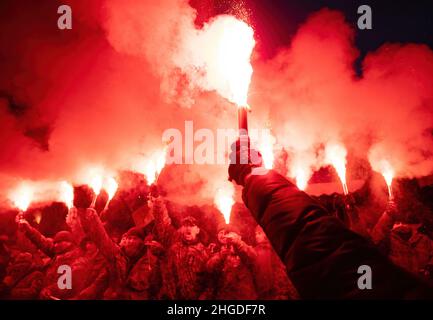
pixel 321 255
pixel 233 272
pixel 138 279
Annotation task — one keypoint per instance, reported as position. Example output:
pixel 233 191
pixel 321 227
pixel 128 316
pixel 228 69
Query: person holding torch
pixel 321 255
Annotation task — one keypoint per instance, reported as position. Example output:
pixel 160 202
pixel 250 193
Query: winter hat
pixel 63 236
pixel 135 232
pixel 189 220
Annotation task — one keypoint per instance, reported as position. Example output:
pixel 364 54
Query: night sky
pixel 276 21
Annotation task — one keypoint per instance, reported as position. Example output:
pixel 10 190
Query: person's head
pixel 23 261
pixel 83 196
pixel 189 229
pixel 89 247
pixel 260 235
pixel 132 243
pixel 402 230
pixel 63 242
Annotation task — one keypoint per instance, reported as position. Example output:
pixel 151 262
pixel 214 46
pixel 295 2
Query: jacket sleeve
pixel 215 263
pixel 95 230
pixel 44 244
pixel 164 230
pixel 246 252
pixel 320 254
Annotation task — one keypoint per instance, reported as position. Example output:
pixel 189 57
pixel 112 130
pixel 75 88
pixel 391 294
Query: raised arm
pixel 164 230
pixel 44 244
pixel 245 251
pixel 95 230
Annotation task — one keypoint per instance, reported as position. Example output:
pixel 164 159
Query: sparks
pixel 267 149
pixel 224 201
pixel 388 174
pixel 335 155
pixel 66 194
pixel 22 197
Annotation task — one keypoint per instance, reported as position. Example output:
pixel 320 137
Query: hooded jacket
pixel 322 256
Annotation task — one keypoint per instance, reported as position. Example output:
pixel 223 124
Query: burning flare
pixel 110 186
pixel 379 163
pixel 235 43
pixel 224 201
pixel 300 169
pixel 154 165
pixel 22 197
pixel 335 155
pixel 95 181
pixel 67 194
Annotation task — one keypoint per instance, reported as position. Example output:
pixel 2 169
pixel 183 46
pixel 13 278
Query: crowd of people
pixel 142 247
pixel 157 259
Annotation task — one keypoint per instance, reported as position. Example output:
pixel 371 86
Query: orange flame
pixel 335 154
pixel 388 174
pixel 67 194
pixel 154 166
pixel 38 217
pixel 301 179
pixel 235 43
pixel 111 187
pixel 267 149
pixel 22 197
pixel 224 201
pixel 95 181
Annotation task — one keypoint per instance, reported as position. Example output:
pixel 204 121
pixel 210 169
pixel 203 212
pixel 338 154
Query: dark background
pixel 276 21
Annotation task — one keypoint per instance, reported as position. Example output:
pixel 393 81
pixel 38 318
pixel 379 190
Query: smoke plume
pixel 101 94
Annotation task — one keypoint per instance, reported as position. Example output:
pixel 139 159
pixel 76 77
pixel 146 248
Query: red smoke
pixel 104 92
pixel 312 95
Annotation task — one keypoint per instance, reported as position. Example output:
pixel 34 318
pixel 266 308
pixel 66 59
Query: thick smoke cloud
pixel 314 97
pixel 99 103
pixel 103 93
